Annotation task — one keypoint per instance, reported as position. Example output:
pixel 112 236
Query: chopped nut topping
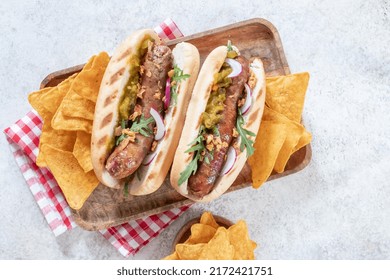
pixel 203 153
pixel 141 69
pixel 225 144
pixel 157 95
pixel 209 138
pixel 155 130
pixel 154 145
pixel 173 83
pixel 149 74
pixel 235 132
pixel 141 92
pixel 217 141
pixel 159 84
pixel 163 99
pixel 130 134
pixel 241 102
pixel 137 112
pixel 210 147
pixel 218 147
pixel 215 87
pixel 171 73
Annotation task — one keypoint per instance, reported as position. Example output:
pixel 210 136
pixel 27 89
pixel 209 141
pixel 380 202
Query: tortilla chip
pixel 60 139
pixel 87 82
pixel 62 122
pixel 47 100
pixel 305 139
pixel 51 101
pixel 286 94
pixel 189 251
pixel 207 242
pixel 82 150
pixel 239 238
pixel 77 108
pixel 268 143
pixel 208 219
pixel 74 105
pixel 293 134
pixel 218 248
pixel 34 99
pixel 200 234
pixel 173 256
pixel 76 185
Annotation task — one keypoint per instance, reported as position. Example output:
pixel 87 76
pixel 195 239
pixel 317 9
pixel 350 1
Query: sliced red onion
pixel 167 93
pixel 230 161
pixel 159 124
pixel 148 159
pixel 248 100
pixel 236 67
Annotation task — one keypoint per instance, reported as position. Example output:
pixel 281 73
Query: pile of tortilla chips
pixel 67 112
pixel 281 133
pixel 210 241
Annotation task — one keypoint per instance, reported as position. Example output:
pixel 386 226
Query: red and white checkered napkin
pixel 23 137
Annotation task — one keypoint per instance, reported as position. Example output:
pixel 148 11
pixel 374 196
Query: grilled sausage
pixel 202 182
pixel 128 156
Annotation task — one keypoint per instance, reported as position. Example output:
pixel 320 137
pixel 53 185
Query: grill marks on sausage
pixel 202 182
pixel 124 161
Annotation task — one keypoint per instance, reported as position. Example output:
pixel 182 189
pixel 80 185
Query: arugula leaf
pixel 123 123
pixel 190 169
pixel 177 76
pixel 229 46
pixel 209 156
pixel 244 133
pixel 126 189
pixel 141 126
pixel 216 131
pixel 120 139
pixel 197 146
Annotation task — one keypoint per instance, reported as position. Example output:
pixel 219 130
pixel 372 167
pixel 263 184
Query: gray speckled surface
pixel 336 208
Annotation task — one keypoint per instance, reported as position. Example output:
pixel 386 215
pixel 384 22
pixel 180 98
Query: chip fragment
pixel 286 94
pixel 82 150
pixel 267 145
pixel 76 185
pixel 67 112
pixel 281 134
pixel 210 241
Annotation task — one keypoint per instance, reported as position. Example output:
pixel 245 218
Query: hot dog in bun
pixel 223 116
pixel 140 111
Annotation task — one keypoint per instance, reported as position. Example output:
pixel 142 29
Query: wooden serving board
pixel 255 38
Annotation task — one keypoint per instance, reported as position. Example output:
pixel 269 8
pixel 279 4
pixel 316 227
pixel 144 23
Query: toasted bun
pixel 192 124
pixel 186 57
pixel 106 110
